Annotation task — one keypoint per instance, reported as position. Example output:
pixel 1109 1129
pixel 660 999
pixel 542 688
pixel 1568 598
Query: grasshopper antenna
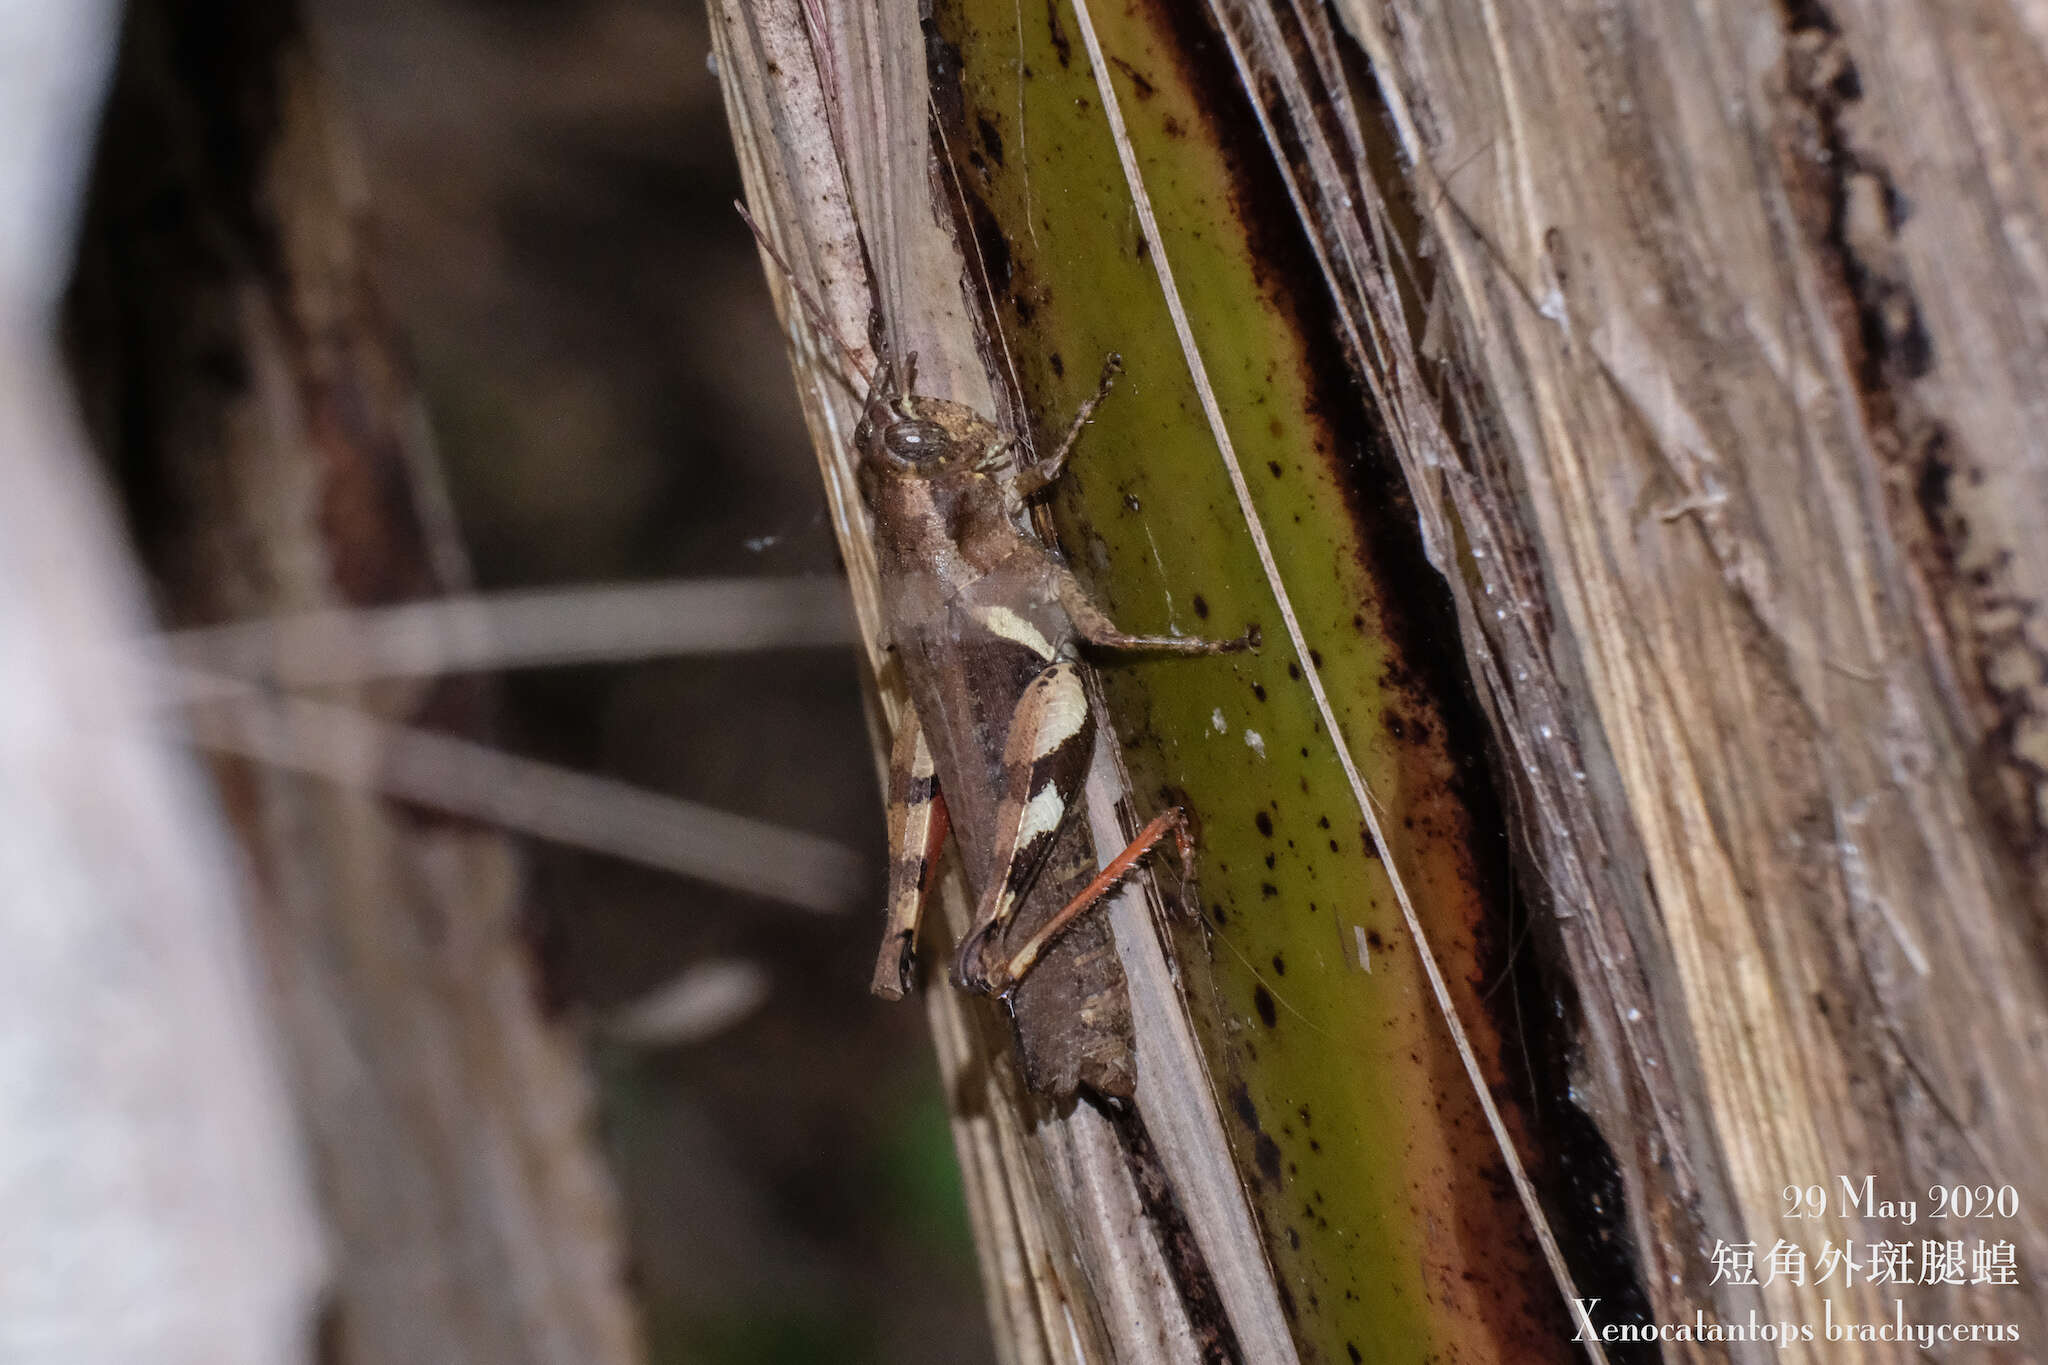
pixel 810 304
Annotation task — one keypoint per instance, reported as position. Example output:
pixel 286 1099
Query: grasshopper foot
pixel 971 968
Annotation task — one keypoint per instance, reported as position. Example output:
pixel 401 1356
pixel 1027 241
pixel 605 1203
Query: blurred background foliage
pixel 553 185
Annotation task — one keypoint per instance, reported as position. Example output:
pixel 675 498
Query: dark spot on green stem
pixel 991 140
pixel 1267 1153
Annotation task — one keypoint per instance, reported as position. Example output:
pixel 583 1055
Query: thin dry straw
pixel 1148 223
pixel 465 778
pixel 611 623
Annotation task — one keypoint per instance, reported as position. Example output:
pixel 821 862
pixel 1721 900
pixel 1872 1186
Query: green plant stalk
pixel 1385 1206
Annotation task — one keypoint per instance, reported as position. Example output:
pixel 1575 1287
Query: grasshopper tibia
pixel 1037 477
pixel 1003 976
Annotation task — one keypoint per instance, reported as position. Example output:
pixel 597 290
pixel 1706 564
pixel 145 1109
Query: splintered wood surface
pixel 1743 312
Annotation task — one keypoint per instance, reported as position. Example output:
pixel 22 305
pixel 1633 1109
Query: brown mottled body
pixel 985 621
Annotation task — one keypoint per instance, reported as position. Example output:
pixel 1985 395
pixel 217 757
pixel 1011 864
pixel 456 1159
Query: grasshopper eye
pixel 913 442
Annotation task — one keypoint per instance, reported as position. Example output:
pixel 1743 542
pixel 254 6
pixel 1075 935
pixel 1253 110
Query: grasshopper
pixel 985 624
pixel 985 621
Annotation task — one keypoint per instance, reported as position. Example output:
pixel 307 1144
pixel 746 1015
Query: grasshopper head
pixel 901 433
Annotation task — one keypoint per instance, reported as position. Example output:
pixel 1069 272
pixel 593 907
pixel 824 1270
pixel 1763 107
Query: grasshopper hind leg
pixel 1045 758
pixel 1172 821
